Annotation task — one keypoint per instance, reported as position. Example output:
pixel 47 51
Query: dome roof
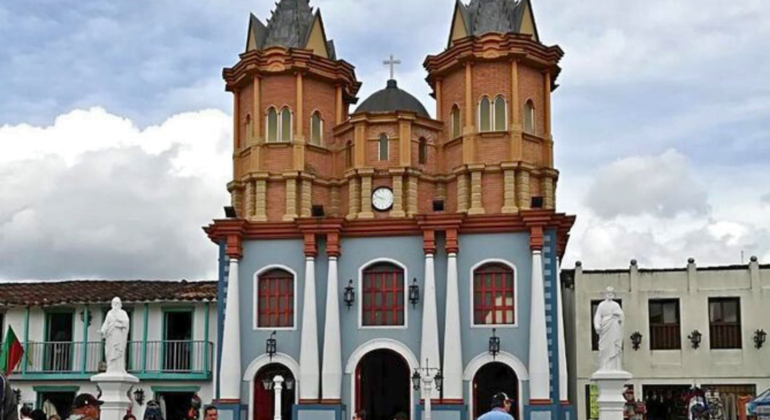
pixel 392 99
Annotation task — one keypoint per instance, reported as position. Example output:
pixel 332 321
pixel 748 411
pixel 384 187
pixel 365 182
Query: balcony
pixel 152 360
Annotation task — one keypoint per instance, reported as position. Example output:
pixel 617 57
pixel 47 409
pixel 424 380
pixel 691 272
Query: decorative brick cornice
pixel 452 244
pixel 310 248
pixel 429 241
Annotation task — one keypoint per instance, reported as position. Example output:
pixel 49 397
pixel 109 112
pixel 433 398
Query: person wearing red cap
pixel 501 408
pixel 86 407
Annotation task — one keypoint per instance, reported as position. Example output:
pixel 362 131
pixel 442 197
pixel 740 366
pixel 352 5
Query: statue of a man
pixel 115 333
pixel 608 323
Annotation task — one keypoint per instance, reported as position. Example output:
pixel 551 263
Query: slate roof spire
pixel 483 16
pixel 290 25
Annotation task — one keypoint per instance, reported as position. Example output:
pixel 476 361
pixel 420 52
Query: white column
pixel 331 371
pixel 309 376
pixel 426 381
pixel 230 371
pixel 539 375
pixel 563 372
pixel 278 388
pixel 453 352
pixel 430 350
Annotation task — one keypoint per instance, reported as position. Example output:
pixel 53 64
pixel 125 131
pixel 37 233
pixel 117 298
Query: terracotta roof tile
pixel 51 293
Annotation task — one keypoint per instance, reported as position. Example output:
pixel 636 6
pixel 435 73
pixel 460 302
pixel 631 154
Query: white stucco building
pixel 171 341
pixel 666 310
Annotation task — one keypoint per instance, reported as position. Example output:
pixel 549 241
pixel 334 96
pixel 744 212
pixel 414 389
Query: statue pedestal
pixel 115 387
pixel 611 386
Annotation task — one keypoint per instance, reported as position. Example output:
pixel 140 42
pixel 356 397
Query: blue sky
pixel 661 123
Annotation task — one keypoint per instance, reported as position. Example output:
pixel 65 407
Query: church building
pixel 380 261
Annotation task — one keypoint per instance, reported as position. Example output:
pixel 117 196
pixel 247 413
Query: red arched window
pixel 493 295
pixel 383 295
pixel 275 299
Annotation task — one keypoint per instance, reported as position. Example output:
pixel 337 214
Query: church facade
pixel 376 259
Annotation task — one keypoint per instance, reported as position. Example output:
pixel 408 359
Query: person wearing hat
pixel 86 407
pixel 501 408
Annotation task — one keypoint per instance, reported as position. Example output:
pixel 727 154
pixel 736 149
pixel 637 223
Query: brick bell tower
pixel 290 90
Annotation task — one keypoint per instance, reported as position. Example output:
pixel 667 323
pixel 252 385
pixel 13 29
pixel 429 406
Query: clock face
pixel 382 199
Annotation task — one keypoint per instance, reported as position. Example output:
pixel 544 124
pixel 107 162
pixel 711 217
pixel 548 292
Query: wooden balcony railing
pixel 725 336
pixel 665 337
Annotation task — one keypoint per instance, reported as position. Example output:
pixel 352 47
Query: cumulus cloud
pixel 658 185
pixel 93 196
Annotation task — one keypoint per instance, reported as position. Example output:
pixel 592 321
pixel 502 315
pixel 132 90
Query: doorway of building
pixel 492 378
pixel 175 405
pixel 383 385
pixel 178 341
pixel 264 392
pixel 665 402
pixel 58 402
pixel 59 335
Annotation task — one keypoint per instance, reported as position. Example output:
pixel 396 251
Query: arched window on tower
pixel 272 125
pixel 501 114
pixel 493 295
pixel 456 125
pixel 316 129
pixel 275 299
pixel 383 147
pixel 249 130
pixel 349 154
pixel 422 151
pixel 529 117
pixel 286 133
pixel 485 114
pixel 383 299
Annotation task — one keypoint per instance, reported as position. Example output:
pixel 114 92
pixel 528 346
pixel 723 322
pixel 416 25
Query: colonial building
pixel 368 245
pixel 171 343
pixel 684 327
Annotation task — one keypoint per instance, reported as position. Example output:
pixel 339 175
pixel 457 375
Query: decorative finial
pixel 691 260
pixel 578 264
pixel 392 62
pixel 754 258
pixel 633 262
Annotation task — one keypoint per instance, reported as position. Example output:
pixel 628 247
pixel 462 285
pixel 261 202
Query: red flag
pixel 11 353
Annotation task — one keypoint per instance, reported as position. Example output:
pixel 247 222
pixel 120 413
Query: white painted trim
pixel 379 344
pixel 255 306
pixel 503 357
pixel 360 299
pixel 264 360
pixel 515 294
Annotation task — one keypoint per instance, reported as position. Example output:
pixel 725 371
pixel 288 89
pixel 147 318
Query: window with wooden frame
pixel 501 114
pixel 493 295
pixel 665 325
pixel 275 299
pixel 529 117
pixel 383 295
pixel 422 151
pixel 725 323
pixel 594 335
pixel 456 125
pixel 316 129
pixel 485 114
pixel 272 125
pixel 383 147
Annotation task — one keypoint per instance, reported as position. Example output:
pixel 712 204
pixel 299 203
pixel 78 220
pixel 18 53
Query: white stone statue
pixel 608 323
pixel 115 333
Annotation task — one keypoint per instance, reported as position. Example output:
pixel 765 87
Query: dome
pixel 392 99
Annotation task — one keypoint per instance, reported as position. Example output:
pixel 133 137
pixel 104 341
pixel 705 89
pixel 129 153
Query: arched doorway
pixel 383 385
pixel 264 392
pixel 490 379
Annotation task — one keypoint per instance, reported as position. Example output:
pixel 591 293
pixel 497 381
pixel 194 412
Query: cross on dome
pixel 392 62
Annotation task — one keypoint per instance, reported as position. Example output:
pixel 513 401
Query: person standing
pixel 8 403
pixel 501 408
pixel 86 407
pixel 210 413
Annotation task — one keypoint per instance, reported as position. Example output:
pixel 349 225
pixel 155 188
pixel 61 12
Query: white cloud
pixel 657 185
pixel 93 196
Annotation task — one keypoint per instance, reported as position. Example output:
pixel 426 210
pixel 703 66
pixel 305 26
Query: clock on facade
pixel 382 199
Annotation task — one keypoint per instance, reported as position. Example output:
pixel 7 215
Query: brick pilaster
pixel 354 196
pixel 249 199
pixel 509 189
pixel 398 193
pixel 291 196
pixel 523 196
pixel 477 206
pixel 462 192
pixel 306 195
pixel 260 213
pixel 366 194
pixel 411 195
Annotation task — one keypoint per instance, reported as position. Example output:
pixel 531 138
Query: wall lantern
pixel 416 380
pixel 414 293
pixel 439 380
pixel 695 338
pixel 271 346
pixel 636 340
pixel 86 313
pixel 139 396
pixel 494 344
pixel 350 294
pixel 760 336
pixel 267 383
pixel 289 384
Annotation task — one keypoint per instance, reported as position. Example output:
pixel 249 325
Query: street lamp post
pixel 278 387
pixel 429 376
